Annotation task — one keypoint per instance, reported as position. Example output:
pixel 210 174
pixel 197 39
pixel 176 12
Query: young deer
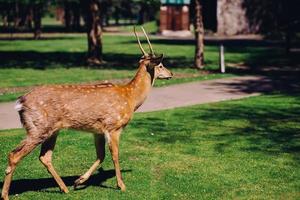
pixel 103 109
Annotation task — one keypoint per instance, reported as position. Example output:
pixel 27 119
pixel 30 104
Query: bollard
pixel 222 59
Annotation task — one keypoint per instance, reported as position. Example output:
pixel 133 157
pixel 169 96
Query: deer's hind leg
pixel 15 156
pixel 100 151
pixel 46 159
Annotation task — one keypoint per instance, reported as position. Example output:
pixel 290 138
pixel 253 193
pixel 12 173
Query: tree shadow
pixel 45 60
pixel 257 126
pixel 282 70
pixel 25 185
pixel 46 28
pixel 263 84
pixel 23 38
pixel 256 58
pixel 265 132
pixel 259 54
pixel 57 28
pixel 214 41
pixel 40 60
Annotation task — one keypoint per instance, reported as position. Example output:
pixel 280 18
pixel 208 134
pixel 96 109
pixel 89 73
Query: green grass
pixel 60 58
pixel 29 77
pixel 10 96
pixel 51 21
pixel 244 149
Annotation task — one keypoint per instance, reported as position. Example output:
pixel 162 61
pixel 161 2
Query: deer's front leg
pixel 100 151
pixel 113 143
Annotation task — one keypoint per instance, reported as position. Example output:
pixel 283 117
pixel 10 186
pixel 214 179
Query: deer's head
pixel 153 63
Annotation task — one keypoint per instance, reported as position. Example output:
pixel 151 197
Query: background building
pixel 174 17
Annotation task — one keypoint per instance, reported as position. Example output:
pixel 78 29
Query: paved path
pixel 177 95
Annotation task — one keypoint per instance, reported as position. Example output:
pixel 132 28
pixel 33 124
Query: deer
pixel 102 109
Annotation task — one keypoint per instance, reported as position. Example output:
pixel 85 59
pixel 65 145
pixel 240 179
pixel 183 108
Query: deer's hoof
pixel 65 190
pixel 122 187
pixel 79 181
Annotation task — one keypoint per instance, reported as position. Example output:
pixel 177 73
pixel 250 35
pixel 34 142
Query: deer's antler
pixel 150 46
pixel 139 42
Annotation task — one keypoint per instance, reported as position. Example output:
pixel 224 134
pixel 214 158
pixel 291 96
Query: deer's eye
pixel 160 66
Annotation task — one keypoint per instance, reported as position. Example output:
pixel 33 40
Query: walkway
pixel 177 95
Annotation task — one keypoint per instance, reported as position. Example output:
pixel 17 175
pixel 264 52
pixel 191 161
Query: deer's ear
pixel 158 59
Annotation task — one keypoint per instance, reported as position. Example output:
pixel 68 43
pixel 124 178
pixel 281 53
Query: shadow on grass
pixel 214 42
pixel 45 60
pixel 40 60
pixel 268 125
pixel 260 56
pixel 269 83
pixel 282 71
pixel 25 185
pixel 47 28
pixel 265 54
pixel 270 129
pixel 53 28
pixel 18 38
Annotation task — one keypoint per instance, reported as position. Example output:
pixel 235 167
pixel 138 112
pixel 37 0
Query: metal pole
pixel 222 59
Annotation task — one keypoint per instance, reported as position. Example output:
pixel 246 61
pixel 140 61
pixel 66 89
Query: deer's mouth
pixel 165 77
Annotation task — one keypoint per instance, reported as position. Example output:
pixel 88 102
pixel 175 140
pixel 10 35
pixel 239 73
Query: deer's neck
pixel 140 86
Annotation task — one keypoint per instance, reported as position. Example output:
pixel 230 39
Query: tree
pixel 232 18
pixel 67 16
pixel 256 16
pixel 91 11
pixel 199 36
pixel 37 19
pixel 71 14
pixel 76 15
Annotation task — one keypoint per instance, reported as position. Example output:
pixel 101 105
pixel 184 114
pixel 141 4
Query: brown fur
pixel 103 109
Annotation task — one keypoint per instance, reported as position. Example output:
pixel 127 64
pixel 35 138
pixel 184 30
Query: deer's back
pixel 95 108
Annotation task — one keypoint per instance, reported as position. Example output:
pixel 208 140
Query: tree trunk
pixel 29 18
pixel 22 15
pixel 94 33
pixel 37 19
pixel 232 17
pixel 199 36
pixel 117 15
pixel 141 17
pixel 76 16
pixel 104 14
pixel 16 15
pixel 67 16
pixel 5 20
pixel 288 38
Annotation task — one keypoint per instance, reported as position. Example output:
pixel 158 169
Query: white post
pixel 222 59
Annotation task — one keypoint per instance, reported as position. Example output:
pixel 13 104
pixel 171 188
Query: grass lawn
pixel 60 58
pixel 244 149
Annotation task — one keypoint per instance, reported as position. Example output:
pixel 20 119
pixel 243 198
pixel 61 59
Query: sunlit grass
pixel 245 149
pixel 60 59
